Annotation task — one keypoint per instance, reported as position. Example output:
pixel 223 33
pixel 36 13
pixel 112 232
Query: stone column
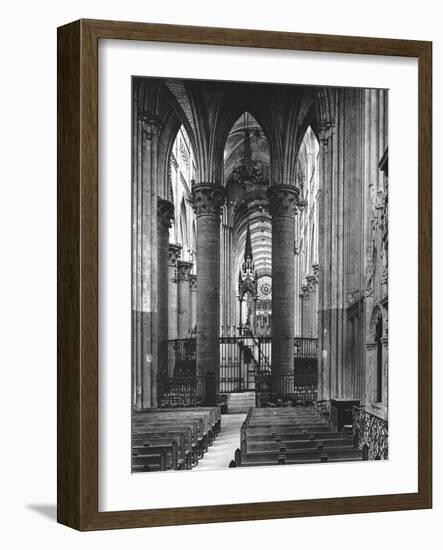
pixel 193 300
pixel 371 362
pixel 144 257
pixel 165 213
pixel 207 200
pixel 385 387
pixel 325 341
pixel 174 255
pixel 314 301
pixel 283 204
pixel 183 309
pixel 305 311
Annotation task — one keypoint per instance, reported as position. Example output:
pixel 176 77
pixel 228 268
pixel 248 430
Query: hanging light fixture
pixel 248 172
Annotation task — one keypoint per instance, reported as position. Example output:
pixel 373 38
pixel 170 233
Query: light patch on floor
pixel 222 451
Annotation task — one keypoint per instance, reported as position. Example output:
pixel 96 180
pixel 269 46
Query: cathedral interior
pixel 260 274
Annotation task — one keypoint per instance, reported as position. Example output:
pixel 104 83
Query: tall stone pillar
pixel 183 309
pixel 314 300
pixel 371 361
pixel 174 255
pixel 305 311
pixel 165 213
pixel 385 386
pixel 207 200
pixel 328 148
pixel 193 300
pixel 144 257
pixel 283 204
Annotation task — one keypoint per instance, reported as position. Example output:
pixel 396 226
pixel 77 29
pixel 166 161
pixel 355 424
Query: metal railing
pixel 286 389
pixel 370 434
pixel 305 347
pixel 245 365
pixel 182 357
pixel 186 391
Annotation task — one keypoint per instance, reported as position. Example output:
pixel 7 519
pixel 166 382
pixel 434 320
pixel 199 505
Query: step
pixel 240 402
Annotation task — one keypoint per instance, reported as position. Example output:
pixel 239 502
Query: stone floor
pixel 220 454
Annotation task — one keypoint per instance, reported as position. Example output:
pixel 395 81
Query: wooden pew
pixel 184 434
pixel 149 461
pixel 184 451
pixel 189 429
pixel 291 436
pixel 170 448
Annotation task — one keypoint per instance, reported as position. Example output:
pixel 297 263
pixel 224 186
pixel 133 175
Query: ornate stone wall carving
pixel 372 432
pixel 311 281
pixel 376 317
pixel 193 282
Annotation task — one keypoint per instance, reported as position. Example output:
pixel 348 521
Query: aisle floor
pixel 220 454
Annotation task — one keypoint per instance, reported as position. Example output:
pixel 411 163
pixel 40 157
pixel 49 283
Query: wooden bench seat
pixel 150 461
pixel 288 429
pixel 295 462
pixel 291 436
pixel 158 438
pixel 170 447
pixel 193 441
pixel 301 455
pixel 183 434
pixel 295 445
pixel 299 435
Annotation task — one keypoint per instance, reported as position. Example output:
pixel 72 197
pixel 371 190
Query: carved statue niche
pixel 376 318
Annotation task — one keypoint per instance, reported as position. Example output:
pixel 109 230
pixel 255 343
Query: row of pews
pixel 291 435
pixel 172 439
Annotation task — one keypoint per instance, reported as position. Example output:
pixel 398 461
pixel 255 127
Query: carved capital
pixel 193 282
pixel 165 214
pixel 304 291
pixel 207 199
pixel 325 133
pixel 283 201
pixel 311 281
pixel 174 254
pixel 183 270
pixel 150 124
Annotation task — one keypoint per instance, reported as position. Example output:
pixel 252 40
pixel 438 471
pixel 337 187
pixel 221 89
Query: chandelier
pixel 249 171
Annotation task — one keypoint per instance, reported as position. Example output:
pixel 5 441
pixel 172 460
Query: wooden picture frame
pixel 77 456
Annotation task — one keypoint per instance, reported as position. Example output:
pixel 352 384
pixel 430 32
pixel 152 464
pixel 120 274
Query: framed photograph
pixel 244 275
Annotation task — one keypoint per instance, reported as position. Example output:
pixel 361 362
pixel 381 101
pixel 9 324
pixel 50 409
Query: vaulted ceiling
pixel 214 115
pixel 248 201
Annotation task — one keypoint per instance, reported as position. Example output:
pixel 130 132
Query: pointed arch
pixel 233 109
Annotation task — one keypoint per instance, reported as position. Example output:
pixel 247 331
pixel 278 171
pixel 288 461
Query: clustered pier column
pixel 193 300
pixel 208 199
pixel 174 255
pixel 184 310
pixel 165 213
pixel 283 201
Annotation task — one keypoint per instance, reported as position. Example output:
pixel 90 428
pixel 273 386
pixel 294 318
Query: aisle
pixel 220 454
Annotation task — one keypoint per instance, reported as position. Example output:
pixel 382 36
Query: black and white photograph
pixel 260 274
